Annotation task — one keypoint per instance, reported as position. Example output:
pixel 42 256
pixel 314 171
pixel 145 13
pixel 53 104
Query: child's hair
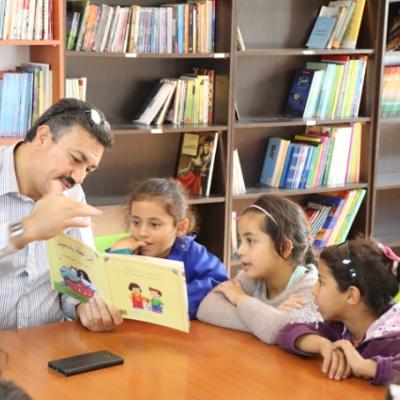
pixel 155 290
pixel 134 285
pixel 285 219
pixel 170 193
pixel 364 264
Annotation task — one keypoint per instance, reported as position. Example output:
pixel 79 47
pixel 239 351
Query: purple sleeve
pixel 291 332
pixel 387 371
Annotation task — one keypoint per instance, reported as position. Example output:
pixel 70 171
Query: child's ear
pixel 353 295
pixel 182 227
pixel 287 248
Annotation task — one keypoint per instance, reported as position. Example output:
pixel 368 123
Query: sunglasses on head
pixel 93 116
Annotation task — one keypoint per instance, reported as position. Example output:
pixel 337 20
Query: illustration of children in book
pixel 136 296
pixel 156 303
pixel 78 281
pixel 194 174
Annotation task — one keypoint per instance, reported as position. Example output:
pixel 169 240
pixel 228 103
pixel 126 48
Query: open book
pixel 143 288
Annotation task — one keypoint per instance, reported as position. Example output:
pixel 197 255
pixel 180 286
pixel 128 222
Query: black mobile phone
pixel 85 362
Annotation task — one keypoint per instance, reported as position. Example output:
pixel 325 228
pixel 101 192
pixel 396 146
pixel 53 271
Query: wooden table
pixel 160 363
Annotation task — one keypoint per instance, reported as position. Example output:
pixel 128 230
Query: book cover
pixel 336 204
pixel 299 91
pixel 196 161
pixel 321 32
pixel 276 149
pixel 143 288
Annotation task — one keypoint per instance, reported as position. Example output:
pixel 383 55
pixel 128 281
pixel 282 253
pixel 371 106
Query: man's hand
pixel 232 290
pixel 361 367
pixel 51 215
pixel 97 316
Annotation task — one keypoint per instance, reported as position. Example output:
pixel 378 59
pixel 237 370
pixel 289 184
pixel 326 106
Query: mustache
pixel 69 180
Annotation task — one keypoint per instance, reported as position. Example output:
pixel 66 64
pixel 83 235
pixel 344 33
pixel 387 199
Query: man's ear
pixel 43 135
pixel 353 295
pixel 182 227
pixel 287 248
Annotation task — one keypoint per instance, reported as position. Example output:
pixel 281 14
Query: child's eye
pixel 250 241
pixel 155 225
pixel 135 222
pixel 76 160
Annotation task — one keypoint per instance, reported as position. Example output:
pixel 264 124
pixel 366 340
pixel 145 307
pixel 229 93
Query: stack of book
pixel 238 185
pixel 187 100
pixel 331 88
pixel 172 28
pixel 324 155
pixel 390 103
pixel 24 95
pixel 337 25
pixel 76 88
pixel 26 20
pixel 331 215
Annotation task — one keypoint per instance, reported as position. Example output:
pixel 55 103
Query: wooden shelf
pixel 256 190
pixel 275 121
pixel 105 201
pixel 389 240
pixel 301 52
pixel 134 129
pixel 30 42
pixel 386 181
pixel 148 55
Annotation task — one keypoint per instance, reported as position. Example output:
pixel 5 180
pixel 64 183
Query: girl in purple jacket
pixel 358 281
pixel 160 222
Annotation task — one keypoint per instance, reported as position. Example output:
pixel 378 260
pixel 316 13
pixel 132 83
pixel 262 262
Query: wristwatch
pixel 16 230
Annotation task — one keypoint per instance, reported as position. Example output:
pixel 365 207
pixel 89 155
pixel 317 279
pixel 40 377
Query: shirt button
pixel 183 245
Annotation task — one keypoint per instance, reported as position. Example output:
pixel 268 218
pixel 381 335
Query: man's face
pixel 62 164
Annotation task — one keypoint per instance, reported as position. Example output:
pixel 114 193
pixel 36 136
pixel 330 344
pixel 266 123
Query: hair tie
pixel 391 255
pixel 265 212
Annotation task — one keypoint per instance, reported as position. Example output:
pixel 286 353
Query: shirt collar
pixel 9 182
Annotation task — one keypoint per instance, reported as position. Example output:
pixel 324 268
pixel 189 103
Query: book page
pixel 75 269
pixel 148 289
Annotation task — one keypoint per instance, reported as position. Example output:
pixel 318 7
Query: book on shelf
pixel 350 37
pixel 234 234
pixel 155 101
pixel 26 20
pixel 186 100
pixel 274 160
pixel 196 161
pixel 142 288
pixel 240 46
pixel 343 207
pixel 323 28
pixel 299 92
pixel 331 88
pixel 393 30
pixel 76 88
pixel 238 185
pixel 181 28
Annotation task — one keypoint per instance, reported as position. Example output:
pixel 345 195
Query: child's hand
pixel 128 243
pixel 294 301
pixel 360 367
pixel 334 362
pixel 232 290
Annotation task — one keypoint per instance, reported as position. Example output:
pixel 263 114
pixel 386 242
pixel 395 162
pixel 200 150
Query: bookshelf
pixel 258 79
pixel 43 51
pixel 275 33
pixel 385 215
pixel 118 83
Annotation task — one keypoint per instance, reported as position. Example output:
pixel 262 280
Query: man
pixel 41 196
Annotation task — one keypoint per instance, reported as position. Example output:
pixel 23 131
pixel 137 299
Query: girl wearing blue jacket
pixel 160 222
